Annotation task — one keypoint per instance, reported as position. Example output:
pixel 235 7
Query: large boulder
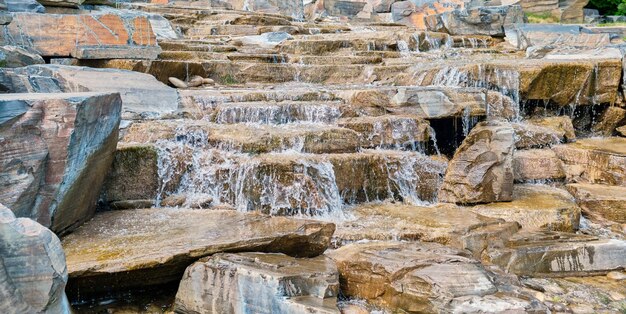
pixel 609 121
pixel 57 149
pixel 98 35
pixel 543 132
pixel 143 97
pixel 481 170
pixel 417 277
pixel 32 267
pixel 119 250
pixel 601 201
pixel 259 283
pixel 488 20
pixel 537 165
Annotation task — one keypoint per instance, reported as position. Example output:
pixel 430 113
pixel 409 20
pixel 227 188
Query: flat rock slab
pixel 137 248
pixel 536 207
pixel 418 278
pixel 555 254
pixel 445 223
pixel 537 165
pixel 52 146
pixel 595 160
pixel 84 36
pixel 259 283
pixel 606 201
pixel 142 95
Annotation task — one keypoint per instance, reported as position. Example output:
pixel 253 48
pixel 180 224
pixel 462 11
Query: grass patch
pixel 228 80
pixel 542 18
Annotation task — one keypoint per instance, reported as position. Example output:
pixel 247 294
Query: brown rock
pixel 177 83
pixel 609 121
pixel 417 277
pixel 389 131
pixel 262 283
pixel 120 250
pixel 608 202
pixel 195 81
pixel 536 207
pixel 554 254
pixel 622 130
pixel 32 267
pixel 537 165
pixel 595 160
pixel 84 36
pixel 481 170
pixel 52 151
pixel 541 132
pixel 445 223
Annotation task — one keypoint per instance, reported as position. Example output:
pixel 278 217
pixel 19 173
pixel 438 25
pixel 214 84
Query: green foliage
pixel 609 7
pixel 229 80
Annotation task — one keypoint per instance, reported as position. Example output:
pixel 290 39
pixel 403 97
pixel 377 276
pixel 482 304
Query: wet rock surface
pixel 120 250
pixel 264 283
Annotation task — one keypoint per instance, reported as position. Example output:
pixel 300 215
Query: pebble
pixel 177 83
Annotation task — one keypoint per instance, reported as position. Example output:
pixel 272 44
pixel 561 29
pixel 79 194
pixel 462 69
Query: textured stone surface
pixel 481 170
pixel 260 283
pixel 142 95
pixel 445 223
pixel 119 250
pixel 609 121
pixel 537 165
pixel 536 207
pixel 543 132
pixel 526 35
pixel 560 255
pixel 608 202
pixel 24 6
pixel 488 20
pixel 84 36
pixel 14 57
pixel 595 160
pixel 32 267
pixel 54 145
pixel 417 277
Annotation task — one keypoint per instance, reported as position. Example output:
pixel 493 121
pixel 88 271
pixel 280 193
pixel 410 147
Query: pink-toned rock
pixel 56 150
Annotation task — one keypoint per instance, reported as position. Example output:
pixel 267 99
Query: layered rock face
pixel 32 267
pixel 481 170
pixel 263 283
pixel 53 146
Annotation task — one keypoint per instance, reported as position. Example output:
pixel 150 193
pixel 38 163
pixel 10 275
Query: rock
pixel 526 35
pixel 177 83
pixel 132 204
pixel 596 160
pixel 101 35
pixel 32 267
pixel 536 207
pixel 608 202
pixel 143 97
pixel 162 28
pixel 542 132
pixel 24 6
pixel 208 81
pixel 616 275
pixel 609 121
pixel 418 277
pixel 424 15
pixel 572 10
pixel 15 57
pixel 62 3
pixel 553 254
pixel 175 200
pixel 133 175
pixel 562 125
pixel 389 131
pixel 261 283
pixel 195 81
pixel 488 20
pixel 481 170
pixel 622 130
pixel 53 147
pixel 445 223
pixel 266 40
pixel 120 250
pixel 537 165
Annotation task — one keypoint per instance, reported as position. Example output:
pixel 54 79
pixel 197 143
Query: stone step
pixel 595 160
pixel 278 183
pixel 443 223
pixel 554 254
pixel 389 131
pixel 120 250
pixel 601 201
pixel 247 138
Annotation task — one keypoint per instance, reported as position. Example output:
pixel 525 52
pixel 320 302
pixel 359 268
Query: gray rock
pixel 54 145
pixel 260 283
pixel 15 57
pixel 33 273
pixel 523 36
pixel 266 40
pixel 142 95
pixel 24 6
pixel 482 20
